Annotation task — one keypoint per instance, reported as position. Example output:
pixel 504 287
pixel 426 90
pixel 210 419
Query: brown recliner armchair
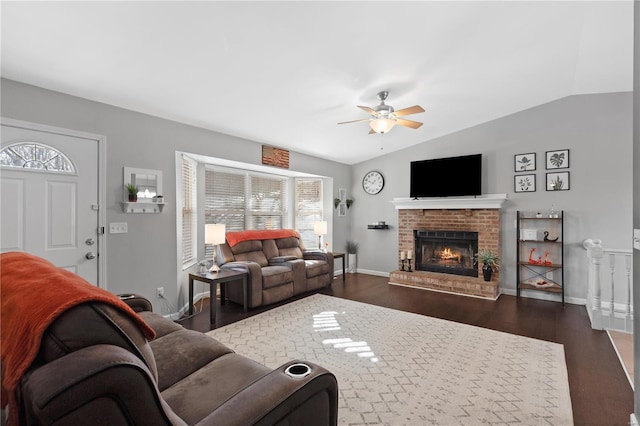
pixel 95 366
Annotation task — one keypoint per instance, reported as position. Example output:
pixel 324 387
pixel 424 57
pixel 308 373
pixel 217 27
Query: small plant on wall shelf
pixel 133 192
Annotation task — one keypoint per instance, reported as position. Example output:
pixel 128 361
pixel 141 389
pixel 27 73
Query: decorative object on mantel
pixel 409 257
pixel 132 190
pixel 403 256
pixel 524 162
pixel 558 159
pixel 272 156
pixel 490 262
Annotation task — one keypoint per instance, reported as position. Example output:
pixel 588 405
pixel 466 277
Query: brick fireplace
pixel 432 216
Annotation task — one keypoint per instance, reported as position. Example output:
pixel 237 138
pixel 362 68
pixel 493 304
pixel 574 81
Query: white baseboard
pixel 173 316
pixel 370 272
pixel 633 420
pixel 540 295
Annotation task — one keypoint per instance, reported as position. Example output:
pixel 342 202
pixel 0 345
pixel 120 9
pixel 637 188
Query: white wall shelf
pixel 137 207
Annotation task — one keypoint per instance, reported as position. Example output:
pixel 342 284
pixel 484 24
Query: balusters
pixel 612 271
pixel 628 319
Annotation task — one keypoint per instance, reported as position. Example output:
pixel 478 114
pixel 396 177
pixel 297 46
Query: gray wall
pixel 146 257
pixel 597 129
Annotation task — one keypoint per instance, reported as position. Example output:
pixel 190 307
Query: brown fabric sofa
pixel 278 268
pixel 95 367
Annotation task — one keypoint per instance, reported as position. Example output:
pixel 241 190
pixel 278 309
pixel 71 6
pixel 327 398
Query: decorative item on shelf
pixel 409 257
pixel 336 202
pixel 349 202
pixel 214 233
pixel 553 213
pixel 132 189
pixel 326 247
pixel 351 248
pixel 538 215
pixel 158 199
pixel 320 229
pixel 490 262
pixel 402 259
pixel 546 237
pixel 532 260
pixel 546 260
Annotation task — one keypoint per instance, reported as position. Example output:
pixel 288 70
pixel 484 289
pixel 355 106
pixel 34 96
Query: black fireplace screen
pixel 449 252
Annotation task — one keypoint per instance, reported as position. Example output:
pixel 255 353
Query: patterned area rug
pixel 396 367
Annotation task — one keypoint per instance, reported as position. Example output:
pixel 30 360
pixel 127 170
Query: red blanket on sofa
pixel 33 293
pixel 234 238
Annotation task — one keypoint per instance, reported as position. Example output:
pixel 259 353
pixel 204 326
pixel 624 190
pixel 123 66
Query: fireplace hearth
pixel 448 252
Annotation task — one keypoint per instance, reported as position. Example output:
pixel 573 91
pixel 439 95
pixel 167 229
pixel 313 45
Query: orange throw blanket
pixel 33 293
pixel 234 238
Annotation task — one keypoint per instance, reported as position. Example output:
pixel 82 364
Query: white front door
pixel 50 198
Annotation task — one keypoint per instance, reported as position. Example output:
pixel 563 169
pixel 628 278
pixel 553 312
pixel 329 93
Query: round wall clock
pixel 373 182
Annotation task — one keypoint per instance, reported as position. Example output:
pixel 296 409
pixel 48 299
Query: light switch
pixel 118 228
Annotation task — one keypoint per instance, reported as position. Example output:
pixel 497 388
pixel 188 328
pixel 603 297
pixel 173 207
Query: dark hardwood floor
pixel 600 391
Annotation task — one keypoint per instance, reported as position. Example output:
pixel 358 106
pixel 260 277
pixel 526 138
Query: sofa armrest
pixel 318 255
pixel 278 260
pixel 100 384
pixel 278 398
pixel 255 279
pixel 136 302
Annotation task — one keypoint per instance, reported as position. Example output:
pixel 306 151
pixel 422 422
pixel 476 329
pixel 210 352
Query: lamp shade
pixel 382 125
pixel 214 233
pixel 320 228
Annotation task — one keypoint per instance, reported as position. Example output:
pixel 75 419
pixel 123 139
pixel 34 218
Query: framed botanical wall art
pixel 342 209
pixel 557 159
pixel 524 162
pixel 558 181
pixel 342 194
pixel 524 183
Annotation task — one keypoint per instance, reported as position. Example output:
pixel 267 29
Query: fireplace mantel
pixel 487 201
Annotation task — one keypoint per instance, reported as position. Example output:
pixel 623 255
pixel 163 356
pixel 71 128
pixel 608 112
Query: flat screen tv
pixel 447 177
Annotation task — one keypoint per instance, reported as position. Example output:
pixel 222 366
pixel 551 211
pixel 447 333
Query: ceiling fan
pixel 385 117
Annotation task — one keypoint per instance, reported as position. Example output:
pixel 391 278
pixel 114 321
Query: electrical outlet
pixel 118 228
pixel 160 292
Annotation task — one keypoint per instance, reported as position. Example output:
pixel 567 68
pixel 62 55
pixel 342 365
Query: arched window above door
pixel 35 156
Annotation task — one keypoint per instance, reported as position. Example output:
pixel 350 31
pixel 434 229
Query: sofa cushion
pixel 182 352
pixel 160 325
pixel 316 267
pixel 273 276
pixel 290 247
pixel 195 397
pixel 250 251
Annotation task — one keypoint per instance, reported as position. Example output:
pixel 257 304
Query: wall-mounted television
pixel 447 177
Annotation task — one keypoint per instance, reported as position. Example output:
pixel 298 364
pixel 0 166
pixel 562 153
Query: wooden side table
pixel 340 256
pixel 213 279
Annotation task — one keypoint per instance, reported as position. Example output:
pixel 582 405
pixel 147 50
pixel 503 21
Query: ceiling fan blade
pixel 354 121
pixel 407 111
pixel 408 123
pixel 368 110
pixel 372 132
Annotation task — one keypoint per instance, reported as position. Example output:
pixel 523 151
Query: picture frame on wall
pixel 558 181
pixel 558 159
pixel 342 209
pixel 342 194
pixel 524 162
pixel 524 183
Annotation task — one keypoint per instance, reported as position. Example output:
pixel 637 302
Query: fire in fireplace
pixel 449 252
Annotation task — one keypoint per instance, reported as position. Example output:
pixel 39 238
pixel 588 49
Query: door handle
pixel 90 255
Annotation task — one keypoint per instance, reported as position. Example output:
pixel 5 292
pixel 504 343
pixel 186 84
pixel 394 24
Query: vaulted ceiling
pixel 285 73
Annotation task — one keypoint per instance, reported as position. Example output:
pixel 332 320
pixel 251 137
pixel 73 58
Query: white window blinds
pixel 188 211
pixel 308 209
pixel 245 200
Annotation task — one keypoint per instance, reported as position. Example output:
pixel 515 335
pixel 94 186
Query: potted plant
pixel 490 262
pixel 336 202
pixel 133 192
pixel 352 254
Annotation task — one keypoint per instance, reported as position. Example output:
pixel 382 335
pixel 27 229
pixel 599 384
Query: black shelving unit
pixel 377 226
pixel 540 256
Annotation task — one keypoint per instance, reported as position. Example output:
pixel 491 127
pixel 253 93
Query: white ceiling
pixel 284 73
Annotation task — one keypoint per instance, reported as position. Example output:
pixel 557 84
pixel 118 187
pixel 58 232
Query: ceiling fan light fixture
pixel 382 125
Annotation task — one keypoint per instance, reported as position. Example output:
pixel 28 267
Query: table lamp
pixel 214 233
pixel 320 229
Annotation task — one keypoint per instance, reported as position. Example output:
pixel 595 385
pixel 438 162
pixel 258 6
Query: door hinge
pixel 95 207
pixel 100 230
